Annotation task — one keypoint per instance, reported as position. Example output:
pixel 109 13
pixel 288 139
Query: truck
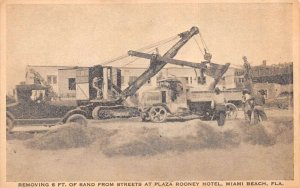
pixel 33 105
pixel 173 98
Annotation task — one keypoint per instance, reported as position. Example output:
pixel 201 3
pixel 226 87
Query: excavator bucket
pixel 216 71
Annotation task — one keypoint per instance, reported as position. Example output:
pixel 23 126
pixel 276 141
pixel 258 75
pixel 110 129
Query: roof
pixel 30 87
pixel 49 66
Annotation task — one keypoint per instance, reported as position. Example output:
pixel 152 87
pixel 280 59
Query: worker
pixel 97 84
pixel 247 69
pixel 247 104
pixel 218 104
pixel 258 109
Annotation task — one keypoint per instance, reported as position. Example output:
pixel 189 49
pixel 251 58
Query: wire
pixel 115 59
pixel 198 46
pixel 203 42
pixel 152 49
pixel 159 43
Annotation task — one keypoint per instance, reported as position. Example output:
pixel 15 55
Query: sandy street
pixel 129 149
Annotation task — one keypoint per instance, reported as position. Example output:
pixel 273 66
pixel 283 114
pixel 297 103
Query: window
pixel 186 80
pixel 72 84
pixel 54 79
pixel 201 80
pixel 51 79
pixel 241 80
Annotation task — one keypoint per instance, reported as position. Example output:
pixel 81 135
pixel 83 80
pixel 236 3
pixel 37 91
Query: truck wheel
pixel 78 119
pixel 9 124
pixel 231 111
pixel 158 114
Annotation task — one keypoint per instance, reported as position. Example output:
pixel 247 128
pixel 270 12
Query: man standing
pixel 258 109
pixel 218 104
pixel 97 84
pixel 247 74
pixel 247 104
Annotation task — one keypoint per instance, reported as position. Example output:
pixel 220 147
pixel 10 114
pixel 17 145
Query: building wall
pixel 189 75
pixel 67 88
pixel 272 89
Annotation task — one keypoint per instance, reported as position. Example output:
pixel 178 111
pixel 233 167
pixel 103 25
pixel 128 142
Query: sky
pixel 90 34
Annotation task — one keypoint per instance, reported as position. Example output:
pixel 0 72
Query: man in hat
pixel 218 104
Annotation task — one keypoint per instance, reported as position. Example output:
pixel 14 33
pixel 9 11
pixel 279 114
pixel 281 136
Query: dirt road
pixel 131 150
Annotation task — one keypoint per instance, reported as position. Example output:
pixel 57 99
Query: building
pixel 48 73
pixel 63 78
pixel 281 73
pixel 61 83
pixel 273 79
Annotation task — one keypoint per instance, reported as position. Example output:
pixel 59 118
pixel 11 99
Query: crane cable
pixel 152 49
pixel 203 44
pixel 154 45
pixel 198 46
pixel 202 40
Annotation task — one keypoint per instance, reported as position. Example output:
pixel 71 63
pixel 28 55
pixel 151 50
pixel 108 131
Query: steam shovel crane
pixel 107 108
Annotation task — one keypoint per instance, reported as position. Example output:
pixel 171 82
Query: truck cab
pixel 170 97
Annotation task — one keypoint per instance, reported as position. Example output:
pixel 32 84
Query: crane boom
pixel 168 60
pixel 156 65
pixel 214 70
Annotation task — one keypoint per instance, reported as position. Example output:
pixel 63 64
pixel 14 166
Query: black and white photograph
pixel 150 94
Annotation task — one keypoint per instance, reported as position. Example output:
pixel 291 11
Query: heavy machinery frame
pixel 107 108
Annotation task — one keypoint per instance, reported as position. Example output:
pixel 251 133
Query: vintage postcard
pixel 150 93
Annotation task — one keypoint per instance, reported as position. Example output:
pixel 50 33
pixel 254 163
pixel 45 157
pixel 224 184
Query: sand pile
pixel 150 141
pixel 68 136
pixel 269 133
pixel 19 136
